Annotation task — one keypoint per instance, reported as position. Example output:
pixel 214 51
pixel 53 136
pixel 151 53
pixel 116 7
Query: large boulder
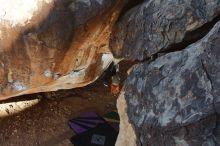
pixel 46 45
pixel 175 100
pixel 156 25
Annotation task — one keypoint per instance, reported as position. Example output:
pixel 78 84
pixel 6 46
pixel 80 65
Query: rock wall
pixel 154 25
pixel 46 45
pixel 175 99
pixel 172 99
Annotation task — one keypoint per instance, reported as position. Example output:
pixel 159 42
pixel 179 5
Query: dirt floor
pixel 46 123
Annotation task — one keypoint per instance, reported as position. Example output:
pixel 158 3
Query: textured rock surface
pixel 48 45
pixel 175 100
pixel 154 25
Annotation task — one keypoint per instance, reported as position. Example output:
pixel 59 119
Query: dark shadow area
pixel 130 4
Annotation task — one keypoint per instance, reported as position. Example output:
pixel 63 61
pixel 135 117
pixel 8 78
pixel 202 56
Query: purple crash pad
pixel 85 122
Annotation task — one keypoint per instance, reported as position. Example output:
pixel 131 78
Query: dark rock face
pixel 86 9
pixel 175 100
pixel 155 25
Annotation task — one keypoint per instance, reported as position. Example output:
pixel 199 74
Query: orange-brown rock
pixel 46 45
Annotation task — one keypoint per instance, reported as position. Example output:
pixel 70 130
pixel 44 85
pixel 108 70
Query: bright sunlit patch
pixel 7 109
pixel 19 11
pixel 107 58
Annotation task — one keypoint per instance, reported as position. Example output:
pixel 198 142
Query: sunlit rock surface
pixel 154 25
pixel 46 45
pixel 127 135
pixel 175 100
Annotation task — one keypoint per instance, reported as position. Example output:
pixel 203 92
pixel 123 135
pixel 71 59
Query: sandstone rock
pixel 46 45
pixel 127 135
pixel 155 25
pixel 175 100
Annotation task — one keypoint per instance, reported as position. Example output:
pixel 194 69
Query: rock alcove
pixel 171 95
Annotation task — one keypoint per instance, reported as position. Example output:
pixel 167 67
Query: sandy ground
pixel 46 123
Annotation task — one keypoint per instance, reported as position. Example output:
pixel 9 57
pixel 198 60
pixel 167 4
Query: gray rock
pixel 155 25
pixel 175 100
